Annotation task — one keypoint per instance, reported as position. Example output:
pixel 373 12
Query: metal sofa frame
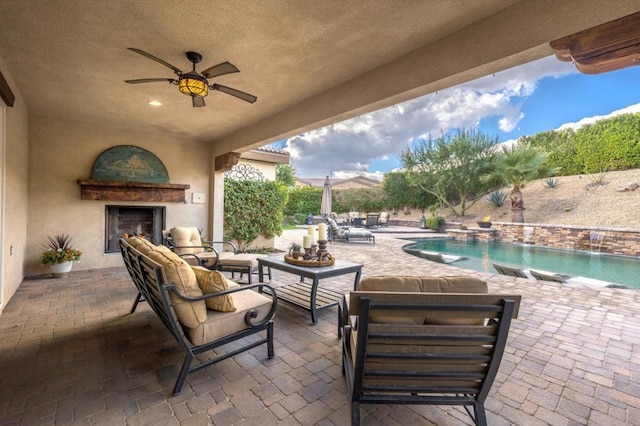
pixel 151 283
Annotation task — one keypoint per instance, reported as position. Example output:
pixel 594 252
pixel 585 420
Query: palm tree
pixel 518 165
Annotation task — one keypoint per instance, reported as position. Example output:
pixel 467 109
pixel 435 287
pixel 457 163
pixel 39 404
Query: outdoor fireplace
pixel 143 221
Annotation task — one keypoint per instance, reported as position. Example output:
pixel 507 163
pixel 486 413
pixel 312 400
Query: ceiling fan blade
pixel 150 80
pixel 220 69
pixel 235 92
pixel 197 101
pixel 150 56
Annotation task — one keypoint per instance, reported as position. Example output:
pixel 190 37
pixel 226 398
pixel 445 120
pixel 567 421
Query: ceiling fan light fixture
pixel 193 85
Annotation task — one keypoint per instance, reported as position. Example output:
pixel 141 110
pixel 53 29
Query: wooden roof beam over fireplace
pixel 603 48
pixel 132 191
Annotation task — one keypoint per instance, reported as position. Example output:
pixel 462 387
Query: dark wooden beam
pixel 5 92
pixel 607 47
pixel 132 191
pixel 225 162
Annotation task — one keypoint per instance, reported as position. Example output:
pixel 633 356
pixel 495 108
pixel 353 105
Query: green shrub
pixel 435 222
pixel 252 209
pixel 304 200
pixel 550 183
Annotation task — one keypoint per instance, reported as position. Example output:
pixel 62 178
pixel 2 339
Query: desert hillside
pixel 576 200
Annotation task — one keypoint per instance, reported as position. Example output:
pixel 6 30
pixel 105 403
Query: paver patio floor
pixel 70 353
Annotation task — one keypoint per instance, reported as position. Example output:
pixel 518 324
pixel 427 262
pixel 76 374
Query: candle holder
pixel 316 255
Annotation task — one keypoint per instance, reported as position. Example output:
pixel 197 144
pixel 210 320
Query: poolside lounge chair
pixel 345 233
pixel 509 271
pixel 544 276
pixel 423 347
pixel 439 257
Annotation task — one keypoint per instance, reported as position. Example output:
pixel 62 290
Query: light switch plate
pixel 197 198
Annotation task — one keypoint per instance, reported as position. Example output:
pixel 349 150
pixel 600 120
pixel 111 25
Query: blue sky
pixel 538 96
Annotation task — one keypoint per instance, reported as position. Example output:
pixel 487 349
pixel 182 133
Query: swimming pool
pixel 480 255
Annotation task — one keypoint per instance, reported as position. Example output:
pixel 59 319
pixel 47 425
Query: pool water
pixel 480 256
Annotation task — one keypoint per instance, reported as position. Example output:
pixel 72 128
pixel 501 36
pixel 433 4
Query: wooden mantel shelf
pixel 132 191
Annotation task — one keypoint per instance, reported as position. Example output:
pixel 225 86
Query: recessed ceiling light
pixel 155 103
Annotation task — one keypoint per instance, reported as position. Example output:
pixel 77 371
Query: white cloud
pixel 349 147
pixel 590 120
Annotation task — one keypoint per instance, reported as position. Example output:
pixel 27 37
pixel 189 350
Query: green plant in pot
pixel 295 250
pixel 59 254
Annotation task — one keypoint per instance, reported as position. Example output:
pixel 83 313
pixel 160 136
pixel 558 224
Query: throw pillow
pixel 213 282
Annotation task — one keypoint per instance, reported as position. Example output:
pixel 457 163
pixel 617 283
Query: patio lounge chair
pixel 509 271
pixel 424 348
pixel 545 276
pixel 346 233
pixel 439 257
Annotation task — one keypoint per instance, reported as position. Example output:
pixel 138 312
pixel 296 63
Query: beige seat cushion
pixel 214 282
pixel 180 274
pixel 410 284
pixel 186 237
pixel 221 324
pixel 242 260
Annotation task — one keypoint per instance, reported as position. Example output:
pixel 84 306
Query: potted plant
pixel 485 223
pixel 59 255
pixel 295 250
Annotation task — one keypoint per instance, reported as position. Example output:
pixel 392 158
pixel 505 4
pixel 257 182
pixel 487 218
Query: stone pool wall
pixel 624 241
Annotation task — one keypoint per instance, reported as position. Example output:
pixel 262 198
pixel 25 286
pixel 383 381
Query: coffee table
pixel 305 295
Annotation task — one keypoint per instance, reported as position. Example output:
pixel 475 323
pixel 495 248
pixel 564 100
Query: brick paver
pixel 70 352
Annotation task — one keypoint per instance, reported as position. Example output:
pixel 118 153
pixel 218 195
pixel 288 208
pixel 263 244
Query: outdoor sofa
pixel 201 308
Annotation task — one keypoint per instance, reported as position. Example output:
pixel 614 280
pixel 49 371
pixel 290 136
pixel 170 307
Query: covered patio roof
pixel 309 63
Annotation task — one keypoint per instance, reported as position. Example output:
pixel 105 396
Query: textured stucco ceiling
pixel 69 59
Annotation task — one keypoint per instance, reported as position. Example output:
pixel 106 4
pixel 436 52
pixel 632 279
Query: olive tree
pixel 450 167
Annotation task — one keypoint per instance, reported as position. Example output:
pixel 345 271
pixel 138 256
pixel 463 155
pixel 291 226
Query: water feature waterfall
pixel 595 240
pixel 527 234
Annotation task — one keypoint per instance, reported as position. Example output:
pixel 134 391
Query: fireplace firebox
pixel 143 221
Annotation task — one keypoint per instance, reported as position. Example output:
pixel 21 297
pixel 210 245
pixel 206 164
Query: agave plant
pixel 497 197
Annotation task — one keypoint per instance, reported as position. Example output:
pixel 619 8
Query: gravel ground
pixel 576 200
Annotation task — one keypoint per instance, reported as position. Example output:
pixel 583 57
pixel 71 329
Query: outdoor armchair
pixel 187 243
pixel 414 347
pixel 383 220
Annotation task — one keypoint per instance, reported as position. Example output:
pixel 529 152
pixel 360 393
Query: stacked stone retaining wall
pixel 623 241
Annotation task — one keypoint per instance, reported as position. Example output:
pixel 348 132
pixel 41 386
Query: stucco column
pixel 217 206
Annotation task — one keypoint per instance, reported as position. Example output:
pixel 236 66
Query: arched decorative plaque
pixel 129 163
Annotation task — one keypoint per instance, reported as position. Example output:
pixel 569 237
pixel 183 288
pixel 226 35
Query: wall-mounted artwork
pixel 129 163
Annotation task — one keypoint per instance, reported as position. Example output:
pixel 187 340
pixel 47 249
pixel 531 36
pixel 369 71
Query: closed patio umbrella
pixel 325 206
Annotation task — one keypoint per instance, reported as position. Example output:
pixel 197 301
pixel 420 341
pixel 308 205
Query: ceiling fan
pixel 194 83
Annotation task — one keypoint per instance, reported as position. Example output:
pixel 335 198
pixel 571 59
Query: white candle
pixel 306 242
pixel 322 231
pixel 312 234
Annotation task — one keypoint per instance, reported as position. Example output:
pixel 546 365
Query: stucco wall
pixel 60 152
pixel 15 193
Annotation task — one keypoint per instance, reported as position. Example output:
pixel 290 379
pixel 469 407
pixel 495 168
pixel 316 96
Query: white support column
pixel 217 206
